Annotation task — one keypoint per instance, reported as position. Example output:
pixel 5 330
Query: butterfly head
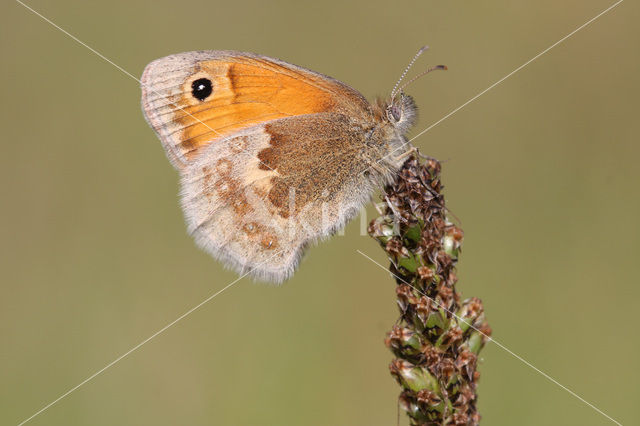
pixel 394 117
pixel 402 112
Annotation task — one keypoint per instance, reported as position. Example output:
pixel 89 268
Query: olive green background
pixel 542 170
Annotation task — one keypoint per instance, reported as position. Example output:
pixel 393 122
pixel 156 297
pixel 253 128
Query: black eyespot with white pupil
pixel 201 88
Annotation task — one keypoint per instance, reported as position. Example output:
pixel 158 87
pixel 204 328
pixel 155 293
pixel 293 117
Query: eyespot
pixel 201 88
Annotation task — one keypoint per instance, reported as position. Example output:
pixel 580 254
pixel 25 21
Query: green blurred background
pixel 542 170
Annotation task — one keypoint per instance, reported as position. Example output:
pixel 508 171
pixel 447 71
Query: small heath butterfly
pixel 272 156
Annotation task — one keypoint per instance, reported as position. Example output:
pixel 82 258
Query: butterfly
pixel 271 156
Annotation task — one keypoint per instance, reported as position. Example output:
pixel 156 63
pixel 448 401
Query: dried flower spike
pixel 438 336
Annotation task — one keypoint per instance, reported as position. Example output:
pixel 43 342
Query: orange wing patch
pixel 245 90
pixel 243 95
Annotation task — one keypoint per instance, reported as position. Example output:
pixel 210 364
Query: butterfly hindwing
pixel 257 198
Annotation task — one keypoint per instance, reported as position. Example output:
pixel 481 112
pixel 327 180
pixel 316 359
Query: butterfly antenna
pixel 423 73
pixel 406 70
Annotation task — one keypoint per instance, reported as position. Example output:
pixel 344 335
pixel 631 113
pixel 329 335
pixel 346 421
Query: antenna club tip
pixel 423 48
pixel 443 67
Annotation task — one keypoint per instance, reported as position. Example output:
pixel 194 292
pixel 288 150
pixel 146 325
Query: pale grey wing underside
pixel 228 208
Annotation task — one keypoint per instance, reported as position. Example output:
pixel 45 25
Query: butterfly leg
pixel 396 214
pixel 408 153
pixel 379 208
pixel 381 170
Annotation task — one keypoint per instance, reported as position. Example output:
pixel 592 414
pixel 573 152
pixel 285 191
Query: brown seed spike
pixel 430 305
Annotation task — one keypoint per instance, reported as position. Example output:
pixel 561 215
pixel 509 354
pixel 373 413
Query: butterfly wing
pixel 257 198
pixel 196 98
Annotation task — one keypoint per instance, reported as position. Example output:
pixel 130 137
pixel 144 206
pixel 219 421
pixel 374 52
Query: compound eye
pixel 201 88
pixel 396 112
